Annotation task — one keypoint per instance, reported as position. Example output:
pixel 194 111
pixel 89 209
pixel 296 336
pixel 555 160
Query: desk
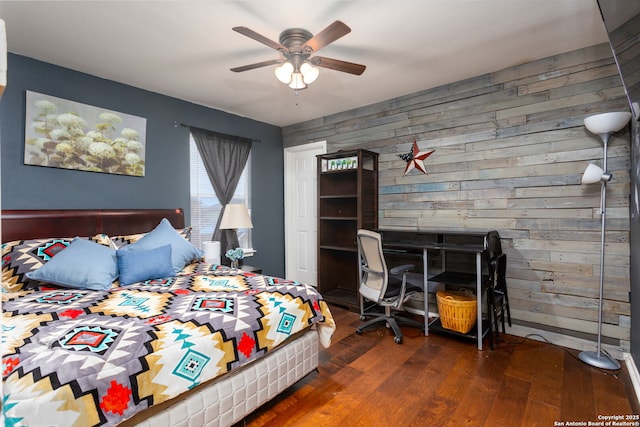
pixel 472 242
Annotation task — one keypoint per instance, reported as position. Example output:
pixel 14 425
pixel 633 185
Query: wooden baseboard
pixel 563 340
pixel 633 374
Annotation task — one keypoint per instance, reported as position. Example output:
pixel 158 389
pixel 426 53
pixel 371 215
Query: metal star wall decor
pixel 415 158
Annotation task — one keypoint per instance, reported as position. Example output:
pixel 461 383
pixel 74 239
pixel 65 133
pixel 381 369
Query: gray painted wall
pixel 166 182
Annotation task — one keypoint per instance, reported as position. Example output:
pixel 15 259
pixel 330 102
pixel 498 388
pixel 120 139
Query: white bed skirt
pixel 230 398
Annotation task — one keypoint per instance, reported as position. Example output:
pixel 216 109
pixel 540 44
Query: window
pixel 205 207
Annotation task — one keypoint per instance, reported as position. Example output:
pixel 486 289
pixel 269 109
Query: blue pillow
pixel 182 251
pixel 136 266
pixel 83 265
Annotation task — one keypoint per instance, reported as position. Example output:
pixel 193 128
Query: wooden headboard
pixel 34 224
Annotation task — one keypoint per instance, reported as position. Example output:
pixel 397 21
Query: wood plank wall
pixel 510 151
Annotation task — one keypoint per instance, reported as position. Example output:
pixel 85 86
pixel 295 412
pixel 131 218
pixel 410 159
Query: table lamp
pixel 235 215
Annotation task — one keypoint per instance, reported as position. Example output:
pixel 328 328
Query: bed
pixel 202 345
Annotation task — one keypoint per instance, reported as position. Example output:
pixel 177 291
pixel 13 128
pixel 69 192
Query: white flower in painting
pixel 46 106
pixel 83 142
pixel 38 125
pixel 71 120
pixel 76 132
pixel 120 141
pixel 110 118
pixel 130 133
pixel 64 148
pixel 102 150
pixel 59 134
pixel 94 134
pixel 131 158
pixel 135 146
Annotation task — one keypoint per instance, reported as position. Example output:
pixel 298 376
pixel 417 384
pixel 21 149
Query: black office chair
pixel 378 285
pixel 497 296
pixel 494 244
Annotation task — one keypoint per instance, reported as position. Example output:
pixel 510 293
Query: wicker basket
pixel 458 310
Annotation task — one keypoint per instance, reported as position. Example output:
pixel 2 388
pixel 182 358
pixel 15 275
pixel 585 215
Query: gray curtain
pixel 224 158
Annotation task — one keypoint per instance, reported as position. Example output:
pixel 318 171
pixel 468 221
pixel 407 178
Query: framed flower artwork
pixel 60 133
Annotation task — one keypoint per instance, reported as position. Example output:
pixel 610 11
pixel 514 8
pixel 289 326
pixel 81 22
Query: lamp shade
pixel 236 215
pixel 607 122
pixel 283 72
pixel 309 73
pixel 594 173
pixel 297 82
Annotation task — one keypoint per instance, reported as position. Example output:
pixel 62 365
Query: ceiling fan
pixel 297 66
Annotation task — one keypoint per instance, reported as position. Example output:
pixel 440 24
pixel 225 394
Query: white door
pixel 300 211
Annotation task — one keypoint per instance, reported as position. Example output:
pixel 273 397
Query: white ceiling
pixel 185 49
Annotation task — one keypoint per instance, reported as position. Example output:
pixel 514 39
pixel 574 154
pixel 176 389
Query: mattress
pixel 227 400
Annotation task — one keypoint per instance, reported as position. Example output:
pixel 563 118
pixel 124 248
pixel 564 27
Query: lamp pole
pixel 604 125
pixel 598 358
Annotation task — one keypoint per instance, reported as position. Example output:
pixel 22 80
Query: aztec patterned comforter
pixel 82 358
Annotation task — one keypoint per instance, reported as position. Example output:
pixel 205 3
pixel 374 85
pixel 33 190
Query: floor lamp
pixel 604 125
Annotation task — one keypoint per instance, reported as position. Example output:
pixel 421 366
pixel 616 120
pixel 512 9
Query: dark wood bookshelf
pixel 347 201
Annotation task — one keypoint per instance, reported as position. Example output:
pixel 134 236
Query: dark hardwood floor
pixel 368 380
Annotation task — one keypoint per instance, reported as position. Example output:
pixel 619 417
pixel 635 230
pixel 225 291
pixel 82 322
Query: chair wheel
pixel 398 340
pixel 359 331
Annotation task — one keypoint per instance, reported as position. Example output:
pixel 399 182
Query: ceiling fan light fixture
pixel 297 82
pixel 297 68
pixel 309 73
pixel 284 72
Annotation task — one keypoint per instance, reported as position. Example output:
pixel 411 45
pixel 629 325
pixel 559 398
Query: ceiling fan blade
pixel 338 65
pixel 257 65
pixel 330 34
pixel 260 38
